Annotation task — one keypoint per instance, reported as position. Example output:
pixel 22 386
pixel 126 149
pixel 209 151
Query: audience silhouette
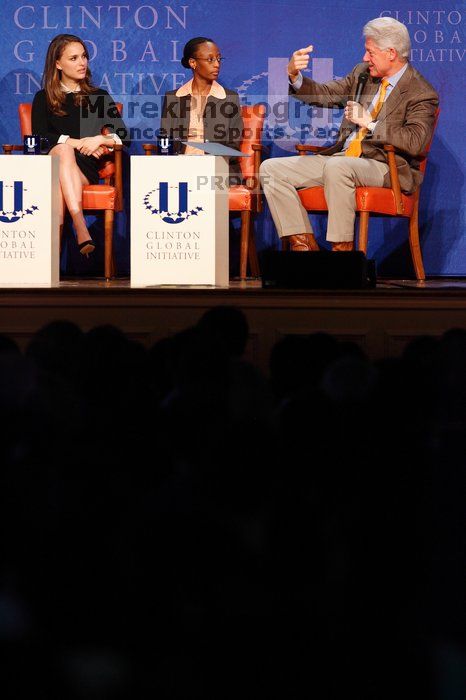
pixel 175 524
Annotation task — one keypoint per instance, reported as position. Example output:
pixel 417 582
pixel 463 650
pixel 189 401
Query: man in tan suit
pixel 397 106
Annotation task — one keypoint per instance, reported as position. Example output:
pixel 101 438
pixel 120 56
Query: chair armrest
pixel 118 149
pixel 9 147
pixel 265 150
pixel 304 148
pixel 149 148
pixel 253 183
pixel 394 179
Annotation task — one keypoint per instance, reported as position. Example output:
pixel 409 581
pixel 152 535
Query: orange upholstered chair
pixel 245 198
pixel 106 197
pixel 378 201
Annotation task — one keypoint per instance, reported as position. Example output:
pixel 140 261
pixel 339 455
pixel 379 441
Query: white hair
pixel 388 33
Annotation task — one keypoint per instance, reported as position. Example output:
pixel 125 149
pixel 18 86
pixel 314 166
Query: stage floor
pixel 123 283
pixel 381 320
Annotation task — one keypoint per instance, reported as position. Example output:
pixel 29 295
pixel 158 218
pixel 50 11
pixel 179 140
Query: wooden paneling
pixel 382 321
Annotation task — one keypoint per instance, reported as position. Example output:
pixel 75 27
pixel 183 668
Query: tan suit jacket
pixel 406 119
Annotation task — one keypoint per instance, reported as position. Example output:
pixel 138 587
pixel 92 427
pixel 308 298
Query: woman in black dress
pixel 202 109
pixel 71 113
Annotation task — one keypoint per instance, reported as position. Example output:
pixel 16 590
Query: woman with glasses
pixel 202 109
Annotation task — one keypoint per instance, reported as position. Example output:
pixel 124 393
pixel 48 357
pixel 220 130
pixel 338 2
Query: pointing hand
pixel 299 61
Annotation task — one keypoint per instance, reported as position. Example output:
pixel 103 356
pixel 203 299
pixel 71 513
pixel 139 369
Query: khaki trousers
pixel 339 175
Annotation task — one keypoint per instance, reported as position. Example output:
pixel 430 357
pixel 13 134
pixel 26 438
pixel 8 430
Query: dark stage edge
pixel 381 320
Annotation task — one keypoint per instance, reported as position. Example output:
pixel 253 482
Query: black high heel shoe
pixel 87 247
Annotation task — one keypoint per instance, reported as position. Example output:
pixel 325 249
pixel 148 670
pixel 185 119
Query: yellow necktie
pixel 355 148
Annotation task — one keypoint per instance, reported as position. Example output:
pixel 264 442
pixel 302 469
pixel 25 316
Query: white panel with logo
pixel 29 234
pixel 179 220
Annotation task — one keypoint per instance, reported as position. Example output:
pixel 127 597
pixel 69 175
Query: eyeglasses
pixel 211 59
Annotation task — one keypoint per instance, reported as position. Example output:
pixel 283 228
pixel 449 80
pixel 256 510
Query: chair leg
pixel 244 247
pixel 415 245
pixel 113 265
pixel 108 252
pixel 363 231
pixel 253 259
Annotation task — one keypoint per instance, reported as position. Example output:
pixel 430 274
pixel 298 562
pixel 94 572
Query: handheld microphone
pixel 362 80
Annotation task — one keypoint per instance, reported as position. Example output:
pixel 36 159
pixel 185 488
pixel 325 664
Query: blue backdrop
pixel 135 50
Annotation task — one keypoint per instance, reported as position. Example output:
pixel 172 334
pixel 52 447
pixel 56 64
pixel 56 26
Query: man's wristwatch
pixel 371 126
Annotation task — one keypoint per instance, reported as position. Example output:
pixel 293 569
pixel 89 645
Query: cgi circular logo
pixel 157 202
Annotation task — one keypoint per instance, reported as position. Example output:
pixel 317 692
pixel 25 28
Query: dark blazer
pixel 406 119
pixel 222 119
pixel 78 121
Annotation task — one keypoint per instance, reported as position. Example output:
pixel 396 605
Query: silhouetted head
pixel 228 327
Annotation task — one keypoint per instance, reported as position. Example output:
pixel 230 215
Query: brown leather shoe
pixel 342 246
pixel 303 241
